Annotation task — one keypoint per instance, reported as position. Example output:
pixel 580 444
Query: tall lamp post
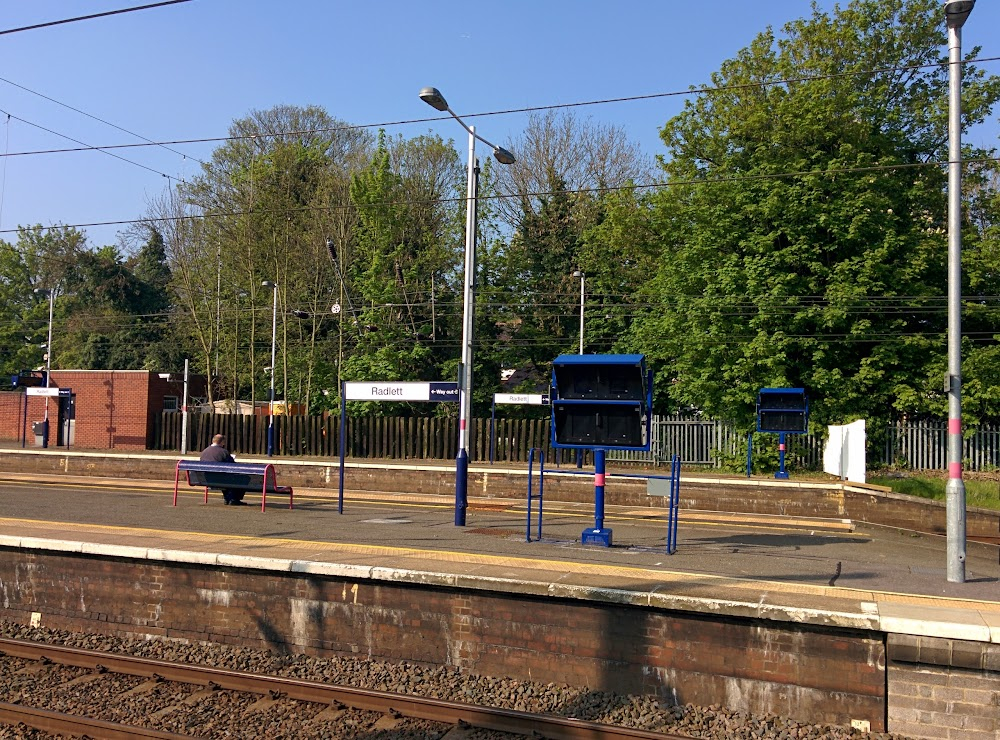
pixel 48 363
pixel 955 12
pixel 583 276
pixel 433 97
pixel 274 338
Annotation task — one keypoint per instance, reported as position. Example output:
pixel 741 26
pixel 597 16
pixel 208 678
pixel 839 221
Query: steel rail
pixel 78 725
pixel 438 710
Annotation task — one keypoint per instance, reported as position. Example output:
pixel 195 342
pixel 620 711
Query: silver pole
pixel 184 412
pixel 48 368
pixel 583 277
pixel 955 488
pixel 218 303
pixel 433 97
pixel 465 381
pixel 274 340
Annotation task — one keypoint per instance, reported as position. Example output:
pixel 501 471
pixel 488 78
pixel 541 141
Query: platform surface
pixel 813 571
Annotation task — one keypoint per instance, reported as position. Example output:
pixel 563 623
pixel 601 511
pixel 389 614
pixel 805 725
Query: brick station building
pixel 105 409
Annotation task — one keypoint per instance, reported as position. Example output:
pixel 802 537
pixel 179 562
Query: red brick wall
pixel 159 388
pixel 11 416
pixel 115 409
pixel 111 409
pixel 813 674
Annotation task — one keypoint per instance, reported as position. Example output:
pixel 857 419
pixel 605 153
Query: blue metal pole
pixel 782 473
pixel 675 495
pixel 599 473
pixel 461 486
pixel 598 535
pixel 541 489
pixel 531 472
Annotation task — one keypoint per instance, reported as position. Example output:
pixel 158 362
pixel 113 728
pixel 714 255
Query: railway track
pixel 88 682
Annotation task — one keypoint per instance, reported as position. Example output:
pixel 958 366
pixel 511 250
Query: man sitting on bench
pixel 217 452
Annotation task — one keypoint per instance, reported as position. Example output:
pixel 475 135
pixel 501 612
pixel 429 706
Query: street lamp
pixel 582 275
pixel 955 13
pixel 433 97
pixel 48 363
pixel 274 338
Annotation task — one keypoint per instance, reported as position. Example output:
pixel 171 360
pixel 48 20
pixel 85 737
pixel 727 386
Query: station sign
pixel 54 392
pixel 400 391
pixel 522 399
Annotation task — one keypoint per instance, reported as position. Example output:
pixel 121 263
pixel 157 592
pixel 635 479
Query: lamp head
pixel 957 11
pixel 299 313
pixel 579 273
pixel 433 97
pixel 40 291
pixel 268 284
pixel 503 156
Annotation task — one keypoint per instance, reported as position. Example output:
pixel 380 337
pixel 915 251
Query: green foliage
pixel 802 241
pixel 799 240
pixel 23 318
pixel 980 493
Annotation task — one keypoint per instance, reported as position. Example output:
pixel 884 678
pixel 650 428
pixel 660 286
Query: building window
pixel 170 403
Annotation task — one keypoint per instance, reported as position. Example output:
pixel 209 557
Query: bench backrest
pixel 250 476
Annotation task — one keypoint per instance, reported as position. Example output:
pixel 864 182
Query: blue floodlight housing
pixel 601 401
pixel 782 410
pixel 28 379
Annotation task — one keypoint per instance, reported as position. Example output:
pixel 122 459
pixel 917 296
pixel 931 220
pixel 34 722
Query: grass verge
pixel 984 494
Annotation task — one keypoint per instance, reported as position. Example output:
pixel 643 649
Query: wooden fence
pixel 366 437
pixel 708 442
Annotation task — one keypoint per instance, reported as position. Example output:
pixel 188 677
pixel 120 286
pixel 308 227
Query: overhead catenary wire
pixel 535 194
pixel 689 91
pixel 511 111
pixel 49 24
pixel 97 149
pixel 99 120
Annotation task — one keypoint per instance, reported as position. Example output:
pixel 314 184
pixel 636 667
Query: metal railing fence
pixel 916 445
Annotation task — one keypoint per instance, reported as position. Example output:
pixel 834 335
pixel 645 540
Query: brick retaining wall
pixel 942 688
pixel 811 673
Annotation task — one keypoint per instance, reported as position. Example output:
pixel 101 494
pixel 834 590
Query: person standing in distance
pixel 217 452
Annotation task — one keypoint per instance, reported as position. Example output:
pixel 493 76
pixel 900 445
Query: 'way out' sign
pixel 400 391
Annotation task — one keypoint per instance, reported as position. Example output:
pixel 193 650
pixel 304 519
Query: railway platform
pixel 836 571
pixel 778 588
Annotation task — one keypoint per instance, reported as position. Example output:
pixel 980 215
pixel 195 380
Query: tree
pixel 404 238
pixel 802 223
pixel 44 259
pixel 23 319
pixel 557 147
pixel 550 198
pixel 262 209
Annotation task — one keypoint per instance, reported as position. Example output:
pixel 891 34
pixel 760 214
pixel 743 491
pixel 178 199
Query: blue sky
pixel 186 71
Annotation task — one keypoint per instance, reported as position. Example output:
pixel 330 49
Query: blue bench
pixel 247 477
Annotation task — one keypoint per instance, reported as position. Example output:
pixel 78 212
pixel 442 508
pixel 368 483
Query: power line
pixel 499 197
pixel 92 16
pixel 89 148
pixel 512 111
pixel 100 120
